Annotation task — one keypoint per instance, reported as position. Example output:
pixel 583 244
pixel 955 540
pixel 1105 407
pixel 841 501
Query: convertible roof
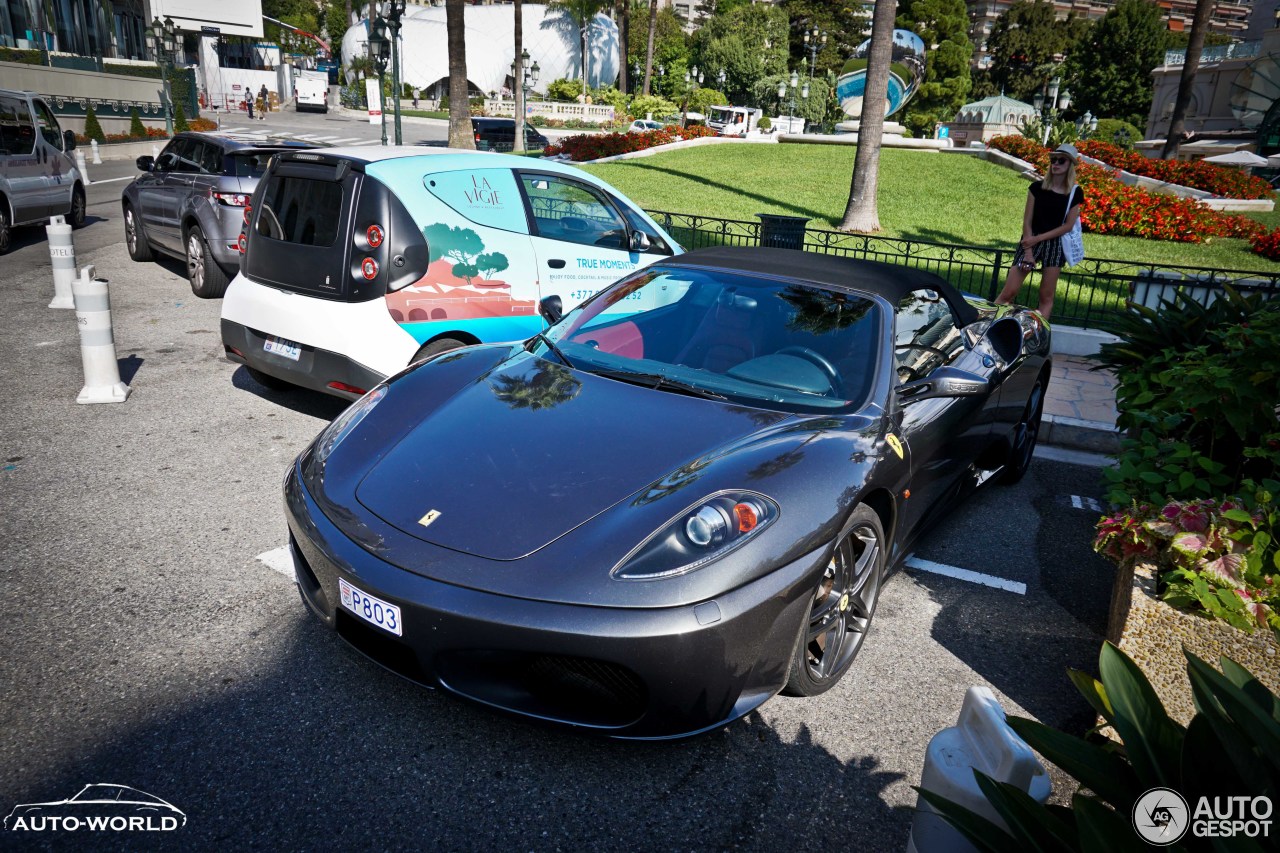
pixel 891 281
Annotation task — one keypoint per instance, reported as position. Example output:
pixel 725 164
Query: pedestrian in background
pixel 249 103
pixel 1053 206
pixel 266 101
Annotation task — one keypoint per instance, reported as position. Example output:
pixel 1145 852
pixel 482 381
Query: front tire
pixel 208 281
pixel 134 240
pixel 1024 437
pixel 841 608
pixel 79 208
pixel 5 231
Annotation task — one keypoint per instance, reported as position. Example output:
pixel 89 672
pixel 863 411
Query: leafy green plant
pixel 1176 324
pixel 136 127
pixel 92 127
pixel 564 89
pixel 1231 747
pixel 179 119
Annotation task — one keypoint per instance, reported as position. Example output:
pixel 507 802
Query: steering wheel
pixel 574 224
pixel 820 361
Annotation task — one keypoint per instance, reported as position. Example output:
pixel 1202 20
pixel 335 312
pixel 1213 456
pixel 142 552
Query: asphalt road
pixel 146 644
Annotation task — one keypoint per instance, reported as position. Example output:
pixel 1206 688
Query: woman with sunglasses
pixel 1053 206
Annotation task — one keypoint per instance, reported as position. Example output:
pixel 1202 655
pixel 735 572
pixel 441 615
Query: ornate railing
pixel 1092 293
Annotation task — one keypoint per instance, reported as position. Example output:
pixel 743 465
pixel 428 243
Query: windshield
pixel 752 340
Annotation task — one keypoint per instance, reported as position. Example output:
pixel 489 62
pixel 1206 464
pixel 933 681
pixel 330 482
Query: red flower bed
pixel 1225 183
pixel 1111 207
pixel 589 146
pixel 1267 244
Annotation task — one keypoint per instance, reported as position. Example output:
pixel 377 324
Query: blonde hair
pixel 1047 183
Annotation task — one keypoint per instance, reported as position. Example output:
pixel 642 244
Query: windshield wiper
pixel 657 382
pixel 555 349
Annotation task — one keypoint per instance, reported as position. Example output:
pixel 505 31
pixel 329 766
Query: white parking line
pixel 112 180
pixel 368 142
pixel 310 137
pixel 342 139
pixel 966 575
pixel 280 561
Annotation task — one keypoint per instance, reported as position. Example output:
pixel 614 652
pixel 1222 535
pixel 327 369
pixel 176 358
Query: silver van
pixel 38 175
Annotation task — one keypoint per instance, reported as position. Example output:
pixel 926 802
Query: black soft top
pixel 891 281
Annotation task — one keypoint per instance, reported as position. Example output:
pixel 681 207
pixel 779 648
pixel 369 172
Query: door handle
pixel 556 264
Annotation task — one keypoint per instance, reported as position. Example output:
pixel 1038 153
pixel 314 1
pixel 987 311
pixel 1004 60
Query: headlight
pixel 343 424
pixel 704 532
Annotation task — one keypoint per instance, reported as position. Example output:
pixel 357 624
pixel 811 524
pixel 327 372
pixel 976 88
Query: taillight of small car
pixel 229 199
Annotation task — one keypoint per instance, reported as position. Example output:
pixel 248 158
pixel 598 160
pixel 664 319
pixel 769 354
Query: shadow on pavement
pixel 129 367
pixel 301 400
pixel 262 763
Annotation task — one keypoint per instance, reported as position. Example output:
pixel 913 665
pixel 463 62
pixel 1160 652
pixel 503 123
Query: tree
pixel 844 21
pixel 1190 65
pixel 670 50
pixel 735 43
pixel 93 128
pixel 943 25
pixel 625 83
pixel 861 214
pixel 517 77
pixel 460 135
pixel 648 54
pixel 1026 44
pixel 1110 72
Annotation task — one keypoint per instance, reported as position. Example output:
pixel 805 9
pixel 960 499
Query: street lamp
pixel 163 42
pixel 804 93
pixel 1086 125
pixel 379 48
pixel 528 78
pixel 720 78
pixel 394 10
pixel 692 79
pixel 1049 108
pixel 814 41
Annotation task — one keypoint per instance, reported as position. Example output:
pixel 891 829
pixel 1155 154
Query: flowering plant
pixel 1223 182
pixel 594 146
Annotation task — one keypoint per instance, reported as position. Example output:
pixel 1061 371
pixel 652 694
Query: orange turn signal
pixel 746 516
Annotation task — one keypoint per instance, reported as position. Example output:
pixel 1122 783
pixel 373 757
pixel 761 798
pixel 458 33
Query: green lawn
pixel 945 198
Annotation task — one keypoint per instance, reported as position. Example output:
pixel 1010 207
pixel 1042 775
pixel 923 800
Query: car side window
pixel 189 154
pixel 567 210
pixel 211 159
pixel 17 133
pixel 49 128
pixel 169 157
pixel 926 336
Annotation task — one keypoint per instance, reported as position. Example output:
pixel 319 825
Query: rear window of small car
pixel 301 210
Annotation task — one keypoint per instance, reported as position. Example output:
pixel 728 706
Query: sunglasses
pixel 1059 161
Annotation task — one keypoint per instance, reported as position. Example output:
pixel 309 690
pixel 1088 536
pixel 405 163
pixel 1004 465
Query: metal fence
pixel 1091 294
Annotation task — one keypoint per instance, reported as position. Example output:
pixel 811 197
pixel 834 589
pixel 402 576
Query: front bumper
pixel 315 368
pixel 625 672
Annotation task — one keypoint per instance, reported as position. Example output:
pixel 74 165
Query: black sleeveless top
pixel 1051 207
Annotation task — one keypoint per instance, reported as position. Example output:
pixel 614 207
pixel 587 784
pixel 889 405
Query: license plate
pixel 370 609
pixel 280 346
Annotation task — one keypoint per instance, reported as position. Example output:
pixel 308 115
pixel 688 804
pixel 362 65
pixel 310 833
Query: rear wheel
pixel 435 348
pixel 266 380
pixel 4 228
pixel 841 608
pixel 134 240
pixel 1024 437
pixel 208 281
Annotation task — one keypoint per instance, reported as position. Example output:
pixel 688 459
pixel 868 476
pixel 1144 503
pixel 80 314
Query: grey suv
pixel 190 201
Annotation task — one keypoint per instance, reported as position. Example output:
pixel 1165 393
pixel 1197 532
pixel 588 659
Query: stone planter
pixel 1153 634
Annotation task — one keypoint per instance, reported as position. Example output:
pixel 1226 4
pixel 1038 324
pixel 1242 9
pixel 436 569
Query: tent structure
pixel 1237 158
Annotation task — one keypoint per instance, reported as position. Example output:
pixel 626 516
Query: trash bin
pixel 782 232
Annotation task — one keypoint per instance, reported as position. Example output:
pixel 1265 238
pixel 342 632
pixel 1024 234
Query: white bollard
pixel 97 341
pixel 155 152
pixel 981 739
pixel 97 158
pixel 82 166
pixel 62 255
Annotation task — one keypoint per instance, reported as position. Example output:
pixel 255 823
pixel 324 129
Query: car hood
pixel 533 449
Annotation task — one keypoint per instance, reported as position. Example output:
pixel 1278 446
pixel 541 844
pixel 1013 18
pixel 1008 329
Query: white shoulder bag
pixel 1073 240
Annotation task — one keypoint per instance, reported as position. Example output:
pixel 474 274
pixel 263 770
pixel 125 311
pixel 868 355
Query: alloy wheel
pixel 130 231
pixel 195 260
pixel 843 604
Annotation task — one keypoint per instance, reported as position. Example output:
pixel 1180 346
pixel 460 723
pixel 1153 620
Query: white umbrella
pixel 1237 158
pixel 1274 160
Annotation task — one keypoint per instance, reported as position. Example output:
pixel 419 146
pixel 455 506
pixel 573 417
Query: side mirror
pixel 943 383
pixel 551 308
pixel 69 140
pixel 145 163
pixel 640 241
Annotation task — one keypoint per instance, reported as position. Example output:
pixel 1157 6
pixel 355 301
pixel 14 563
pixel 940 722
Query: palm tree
pixel 862 214
pixel 459 101
pixel 1190 65
pixel 648 54
pixel 623 14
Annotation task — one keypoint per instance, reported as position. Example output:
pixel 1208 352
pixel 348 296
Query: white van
pixel 38 175
pixel 358 262
pixel 312 93
pixel 733 121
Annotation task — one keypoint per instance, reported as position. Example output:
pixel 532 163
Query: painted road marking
pixel 368 142
pixel 279 560
pixel 1085 503
pixel 966 575
pixel 112 180
pixel 340 140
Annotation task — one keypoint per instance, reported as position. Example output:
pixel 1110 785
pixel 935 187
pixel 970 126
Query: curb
pixel 1077 434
